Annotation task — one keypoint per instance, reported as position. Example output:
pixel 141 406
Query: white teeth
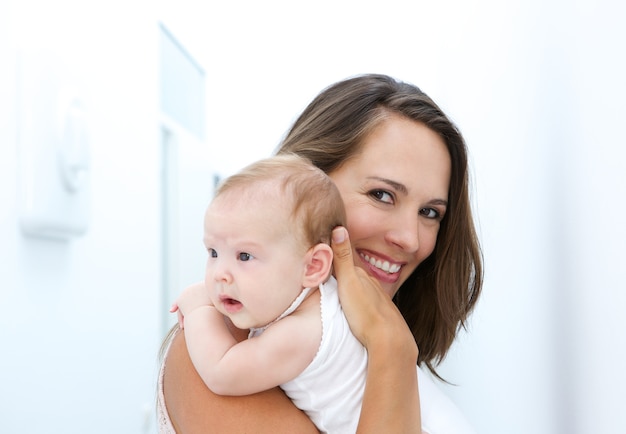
pixel 383 265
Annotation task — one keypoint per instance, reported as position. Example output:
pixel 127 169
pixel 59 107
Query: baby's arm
pixel 253 365
pixel 194 409
pixel 191 298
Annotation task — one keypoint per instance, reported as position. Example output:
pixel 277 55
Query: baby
pixel 267 232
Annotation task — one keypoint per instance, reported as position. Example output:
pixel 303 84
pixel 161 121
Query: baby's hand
pixel 181 318
pixel 191 298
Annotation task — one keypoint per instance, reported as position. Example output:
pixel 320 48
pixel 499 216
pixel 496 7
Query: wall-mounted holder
pixel 53 150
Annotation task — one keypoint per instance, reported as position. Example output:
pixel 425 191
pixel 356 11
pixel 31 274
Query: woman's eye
pixel 381 196
pixel 212 253
pixel 243 256
pixel 430 213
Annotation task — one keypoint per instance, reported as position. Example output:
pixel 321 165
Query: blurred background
pixel 117 118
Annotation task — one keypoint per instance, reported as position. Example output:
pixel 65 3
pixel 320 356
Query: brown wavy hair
pixel 438 297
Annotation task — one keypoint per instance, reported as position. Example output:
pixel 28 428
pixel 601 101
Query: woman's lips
pixel 383 265
pixel 383 270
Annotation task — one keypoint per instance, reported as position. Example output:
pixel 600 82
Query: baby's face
pixel 255 263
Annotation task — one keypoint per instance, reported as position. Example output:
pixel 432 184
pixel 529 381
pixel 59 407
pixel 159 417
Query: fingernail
pixel 339 235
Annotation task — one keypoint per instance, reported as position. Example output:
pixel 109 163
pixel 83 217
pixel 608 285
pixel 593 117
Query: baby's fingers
pixel 175 308
pixel 181 320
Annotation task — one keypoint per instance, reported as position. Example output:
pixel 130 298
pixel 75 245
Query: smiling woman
pixel 409 274
pixel 395 190
pixel 394 125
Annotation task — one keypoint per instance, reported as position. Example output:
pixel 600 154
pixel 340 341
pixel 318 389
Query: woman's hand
pixel 391 399
pixel 369 310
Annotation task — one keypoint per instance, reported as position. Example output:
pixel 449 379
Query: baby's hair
pixel 316 203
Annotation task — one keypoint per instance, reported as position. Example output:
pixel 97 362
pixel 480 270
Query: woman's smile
pixel 386 266
pixel 383 270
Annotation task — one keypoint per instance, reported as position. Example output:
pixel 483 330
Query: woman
pixel 401 168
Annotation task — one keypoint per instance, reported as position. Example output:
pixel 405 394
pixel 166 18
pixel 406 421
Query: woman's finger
pixel 357 291
pixel 342 251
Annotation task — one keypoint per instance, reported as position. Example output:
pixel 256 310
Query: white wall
pixel 535 86
pixel 79 322
pixel 547 342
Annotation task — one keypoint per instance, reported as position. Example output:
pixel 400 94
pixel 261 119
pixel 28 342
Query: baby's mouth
pixel 385 266
pixel 230 304
pixel 231 301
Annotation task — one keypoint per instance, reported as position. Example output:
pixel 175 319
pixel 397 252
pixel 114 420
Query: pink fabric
pixel 163 418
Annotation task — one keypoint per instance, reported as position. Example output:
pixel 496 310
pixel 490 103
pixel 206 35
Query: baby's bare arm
pixel 278 355
pixel 194 409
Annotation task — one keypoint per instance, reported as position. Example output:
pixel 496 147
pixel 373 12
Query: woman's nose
pixel 404 232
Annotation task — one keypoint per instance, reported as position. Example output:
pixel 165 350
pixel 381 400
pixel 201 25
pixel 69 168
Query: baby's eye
pixel 212 252
pixel 243 256
pixel 382 196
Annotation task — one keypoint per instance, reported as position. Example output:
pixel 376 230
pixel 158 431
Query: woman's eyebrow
pixel 402 189
pixel 395 185
pixel 440 202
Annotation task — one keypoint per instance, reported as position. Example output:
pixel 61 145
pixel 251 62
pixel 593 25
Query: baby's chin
pixel 245 325
pixel 241 325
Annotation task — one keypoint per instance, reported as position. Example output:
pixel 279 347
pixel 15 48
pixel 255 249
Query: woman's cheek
pixel 427 245
pixel 361 223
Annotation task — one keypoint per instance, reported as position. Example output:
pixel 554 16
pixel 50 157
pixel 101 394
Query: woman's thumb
pixel 341 249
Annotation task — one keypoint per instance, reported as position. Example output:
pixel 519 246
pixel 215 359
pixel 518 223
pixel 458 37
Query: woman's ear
pixel 319 262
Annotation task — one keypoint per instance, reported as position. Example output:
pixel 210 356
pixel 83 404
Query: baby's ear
pixel 319 262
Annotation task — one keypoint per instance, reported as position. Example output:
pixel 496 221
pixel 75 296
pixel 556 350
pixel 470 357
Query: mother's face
pixel 396 193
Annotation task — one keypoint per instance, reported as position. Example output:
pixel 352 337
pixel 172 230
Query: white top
pixel 439 414
pixel 330 389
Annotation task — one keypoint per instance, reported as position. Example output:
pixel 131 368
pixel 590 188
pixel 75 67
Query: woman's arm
pixel 194 409
pixel 391 402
